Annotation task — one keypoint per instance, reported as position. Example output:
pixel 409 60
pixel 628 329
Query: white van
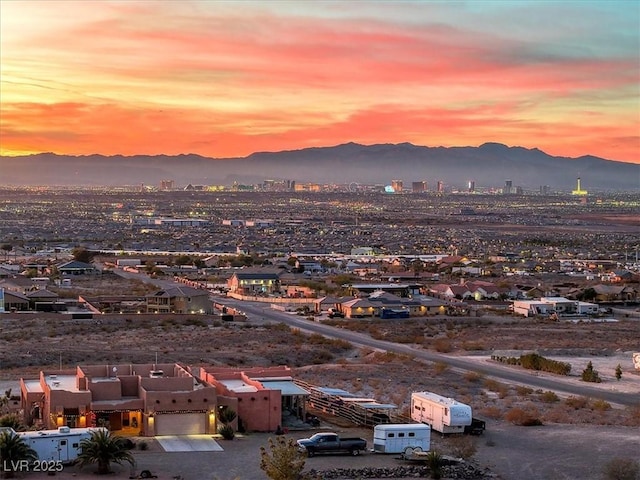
pixel 399 437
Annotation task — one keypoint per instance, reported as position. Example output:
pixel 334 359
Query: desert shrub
pixel 227 415
pixel 589 374
pixel 434 462
pixel 621 469
pixel 463 447
pixel 440 367
pixel 443 345
pixel 577 402
pixel 549 397
pixel 518 416
pixel 491 384
pixel 282 460
pixel 384 357
pixel 473 346
pixel 533 361
pixel 523 390
pixel 601 405
pixel 321 356
pixel 558 414
pixel 492 412
pixel 472 377
pixel 11 420
pixel 227 432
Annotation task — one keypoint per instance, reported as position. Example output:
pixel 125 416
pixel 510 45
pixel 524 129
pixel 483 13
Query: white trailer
pixel 61 445
pixel 399 438
pixel 444 415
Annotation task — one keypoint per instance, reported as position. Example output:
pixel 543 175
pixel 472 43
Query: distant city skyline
pixel 229 78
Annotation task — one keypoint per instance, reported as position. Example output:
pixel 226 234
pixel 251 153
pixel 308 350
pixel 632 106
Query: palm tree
pixel 103 448
pixel 13 450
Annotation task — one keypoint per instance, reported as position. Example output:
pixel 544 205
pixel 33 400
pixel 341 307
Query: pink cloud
pixel 149 77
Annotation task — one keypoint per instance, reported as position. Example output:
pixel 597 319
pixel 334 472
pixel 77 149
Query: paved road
pixel 260 313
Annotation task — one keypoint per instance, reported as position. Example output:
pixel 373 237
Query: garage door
pixel 181 424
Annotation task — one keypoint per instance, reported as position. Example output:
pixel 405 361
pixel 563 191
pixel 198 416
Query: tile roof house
pixel 252 283
pixel 180 299
pixel 15 301
pixel 75 267
pixel 18 283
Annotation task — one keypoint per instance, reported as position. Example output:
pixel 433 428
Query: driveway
pixel 189 443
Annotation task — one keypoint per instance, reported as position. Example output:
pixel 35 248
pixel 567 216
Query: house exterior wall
pixel 180 304
pixel 260 410
pixel 100 390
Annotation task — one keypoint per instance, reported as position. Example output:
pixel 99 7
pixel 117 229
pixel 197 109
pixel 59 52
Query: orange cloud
pixel 208 78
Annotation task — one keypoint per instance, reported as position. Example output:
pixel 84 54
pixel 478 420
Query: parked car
pixel 331 443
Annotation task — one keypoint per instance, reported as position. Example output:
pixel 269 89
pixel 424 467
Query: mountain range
pixel 488 165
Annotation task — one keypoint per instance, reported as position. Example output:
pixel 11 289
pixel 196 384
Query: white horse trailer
pixel 444 415
pixel 398 438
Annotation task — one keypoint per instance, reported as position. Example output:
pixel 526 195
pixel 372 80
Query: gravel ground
pixel 509 452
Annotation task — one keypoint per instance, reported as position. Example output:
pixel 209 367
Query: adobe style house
pixel 262 397
pixel 141 399
pixel 181 299
pixel 253 283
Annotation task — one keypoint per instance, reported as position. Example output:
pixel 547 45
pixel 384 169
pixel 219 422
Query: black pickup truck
pixel 331 443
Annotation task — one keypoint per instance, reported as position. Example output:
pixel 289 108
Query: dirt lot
pixel 578 436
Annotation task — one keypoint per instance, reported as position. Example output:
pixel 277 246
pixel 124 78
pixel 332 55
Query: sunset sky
pixel 228 78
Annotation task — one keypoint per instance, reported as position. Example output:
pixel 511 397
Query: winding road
pixel 257 312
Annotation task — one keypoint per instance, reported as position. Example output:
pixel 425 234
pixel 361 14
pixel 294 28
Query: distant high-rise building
pixel 472 186
pixel 418 187
pixel 166 185
pixel 440 187
pixel 578 190
pixel 396 185
pixel 508 187
pixel 545 189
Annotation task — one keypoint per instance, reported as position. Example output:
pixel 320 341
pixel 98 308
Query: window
pixel 401 435
pixel 412 434
pixel 63 442
pixel 75 445
pixel 391 435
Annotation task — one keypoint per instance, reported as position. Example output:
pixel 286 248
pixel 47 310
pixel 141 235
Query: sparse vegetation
pixel 281 460
pixel 519 416
pixel 549 397
pixel 577 402
pixel 589 374
pixel 618 372
pixel 227 415
pixel 13 450
pixel 434 462
pixel 463 447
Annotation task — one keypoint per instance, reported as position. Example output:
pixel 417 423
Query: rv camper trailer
pixel 398 438
pixel 61 445
pixel 444 415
